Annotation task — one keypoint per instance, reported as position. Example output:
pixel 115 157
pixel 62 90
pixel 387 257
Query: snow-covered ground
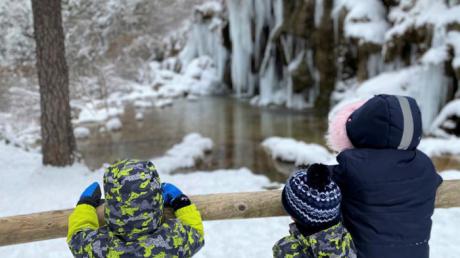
pixel 27 186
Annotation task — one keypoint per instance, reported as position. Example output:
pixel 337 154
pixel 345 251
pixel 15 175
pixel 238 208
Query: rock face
pixel 302 53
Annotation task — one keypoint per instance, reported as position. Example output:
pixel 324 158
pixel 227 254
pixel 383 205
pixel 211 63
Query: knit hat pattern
pixel 311 197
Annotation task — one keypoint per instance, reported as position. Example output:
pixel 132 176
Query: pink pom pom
pixel 336 137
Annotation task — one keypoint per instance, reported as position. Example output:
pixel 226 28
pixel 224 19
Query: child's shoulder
pixel 287 245
pixel 287 241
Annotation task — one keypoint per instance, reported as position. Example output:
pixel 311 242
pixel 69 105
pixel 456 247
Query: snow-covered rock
pixel 290 150
pixel 95 114
pixel 185 154
pixel 365 20
pixel 81 132
pixel 113 124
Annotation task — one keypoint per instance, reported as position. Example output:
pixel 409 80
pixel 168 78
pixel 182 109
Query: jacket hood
pixel 386 122
pixel 134 201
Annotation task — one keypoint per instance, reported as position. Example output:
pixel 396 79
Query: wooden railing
pixel 53 224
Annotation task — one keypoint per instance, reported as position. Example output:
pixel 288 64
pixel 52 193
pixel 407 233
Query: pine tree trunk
pixel 58 141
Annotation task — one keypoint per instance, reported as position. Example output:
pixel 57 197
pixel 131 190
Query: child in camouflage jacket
pixel 134 216
pixel 313 201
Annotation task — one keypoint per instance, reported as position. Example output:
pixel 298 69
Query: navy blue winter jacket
pixel 388 186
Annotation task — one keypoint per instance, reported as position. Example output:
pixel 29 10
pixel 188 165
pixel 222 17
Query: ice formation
pixel 204 38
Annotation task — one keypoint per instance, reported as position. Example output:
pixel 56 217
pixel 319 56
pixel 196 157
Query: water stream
pixel 236 127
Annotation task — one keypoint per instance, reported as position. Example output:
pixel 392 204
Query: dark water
pixel 236 127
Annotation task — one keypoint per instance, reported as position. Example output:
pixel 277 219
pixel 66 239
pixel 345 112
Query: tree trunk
pixel 58 141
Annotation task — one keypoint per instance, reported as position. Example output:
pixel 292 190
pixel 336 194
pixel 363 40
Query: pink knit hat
pixel 336 136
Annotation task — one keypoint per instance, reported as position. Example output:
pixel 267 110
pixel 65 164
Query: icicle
pixel 375 65
pixel 205 38
pixel 319 10
pixel 240 14
pixel 430 92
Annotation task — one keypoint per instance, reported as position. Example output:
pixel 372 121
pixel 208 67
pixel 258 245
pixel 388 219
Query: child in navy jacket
pixel 388 186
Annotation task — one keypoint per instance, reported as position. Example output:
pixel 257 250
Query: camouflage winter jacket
pixel 333 242
pixel 133 213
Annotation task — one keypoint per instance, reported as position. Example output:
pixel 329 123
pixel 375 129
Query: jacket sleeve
pixel 83 223
pixel 189 215
pixel 191 230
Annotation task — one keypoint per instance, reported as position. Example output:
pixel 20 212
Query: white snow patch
pixel 114 124
pixel 438 147
pixel 162 103
pixel 184 155
pixel 436 55
pixel 93 113
pixel 444 233
pixel 291 150
pixel 139 116
pixel 450 174
pixel 81 132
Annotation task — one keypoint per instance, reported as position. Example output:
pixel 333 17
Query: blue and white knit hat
pixel 312 198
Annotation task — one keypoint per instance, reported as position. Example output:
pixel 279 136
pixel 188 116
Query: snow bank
pixel 438 147
pixel 185 154
pixel 81 132
pixel 19 132
pixel 450 174
pixel 92 113
pixel 299 152
pixel 27 186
